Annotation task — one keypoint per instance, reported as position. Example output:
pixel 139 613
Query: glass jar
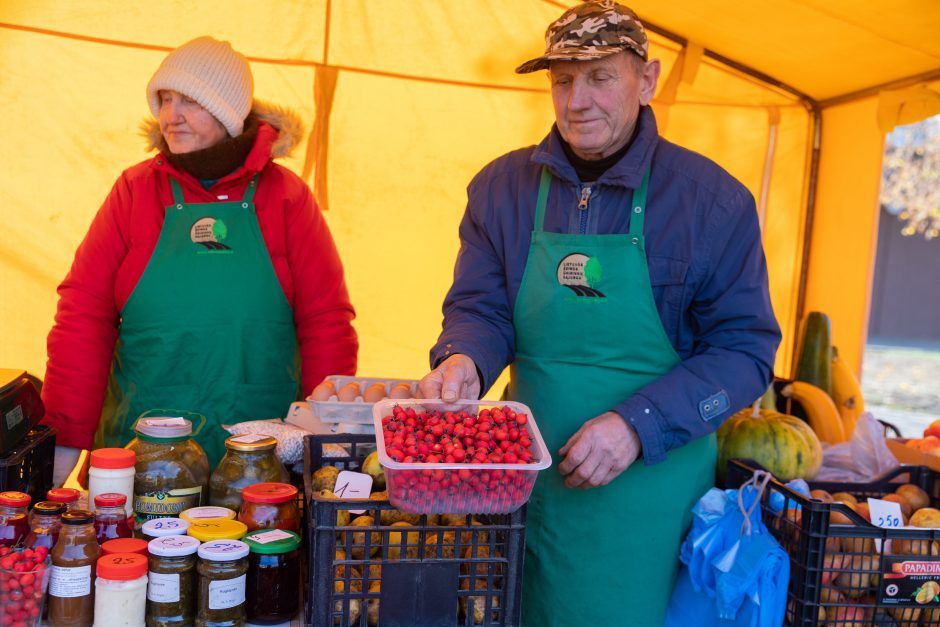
pixel 66 496
pixel 159 527
pixel 222 568
pixel 111 517
pixel 172 471
pixel 45 523
pixel 112 470
pixel 196 514
pixel 270 506
pixel 217 529
pixel 125 545
pixel 273 575
pixel 14 525
pixel 121 590
pixel 71 593
pixel 171 592
pixel 248 459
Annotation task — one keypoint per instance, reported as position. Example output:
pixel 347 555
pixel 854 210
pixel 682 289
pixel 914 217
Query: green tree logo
pixel 593 272
pixel 219 230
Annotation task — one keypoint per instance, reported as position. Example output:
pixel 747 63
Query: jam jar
pixel 111 517
pixel 270 506
pixel 223 570
pixel 66 496
pixel 171 593
pixel 217 529
pixel 273 574
pixel 159 527
pixel 14 525
pixel 45 523
pixel 71 586
pixel 249 459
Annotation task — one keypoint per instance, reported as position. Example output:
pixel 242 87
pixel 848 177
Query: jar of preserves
pixel 66 496
pixel 249 459
pixel 45 523
pixel 196 514
pixel 112 470
pixel 159 527
pixel 121 590
pixel 125 545
pixel 171 592
pixel 223 569
pixel 14 525
pixel 217 529
pixel 270 506
pixel 71 586
pixel 172 471
pixel 111 517
pixel 273 574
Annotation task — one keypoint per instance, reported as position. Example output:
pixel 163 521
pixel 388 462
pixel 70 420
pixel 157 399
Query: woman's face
pixel 185 125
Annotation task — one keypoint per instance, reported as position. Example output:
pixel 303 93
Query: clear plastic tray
pixel 466 494
pixel 357 411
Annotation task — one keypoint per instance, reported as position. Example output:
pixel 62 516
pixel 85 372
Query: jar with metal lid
pixel 121 590
pixel 171 592
pixel 249 459
pixel 172 471
pixel 111 517
pixel 14 525
pixel 217 529
pixel 66 496
pixel 71 585
pixel 273 574
pixel 125 545
pixel 112 470
pixel 270 506
pixel 45 523
pixel 223 569
pixel 159 527
pixel 196 514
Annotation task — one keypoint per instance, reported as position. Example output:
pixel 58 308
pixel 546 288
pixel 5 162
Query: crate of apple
pixel 24 576
pixel 476 457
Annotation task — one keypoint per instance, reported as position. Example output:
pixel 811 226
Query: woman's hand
pixel 65 459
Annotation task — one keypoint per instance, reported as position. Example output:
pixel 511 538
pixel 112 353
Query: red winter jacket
pixel 124 234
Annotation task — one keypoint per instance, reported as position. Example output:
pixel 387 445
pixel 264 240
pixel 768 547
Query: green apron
pixel 588 335
pixel 207 329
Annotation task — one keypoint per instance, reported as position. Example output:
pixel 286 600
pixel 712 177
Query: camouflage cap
pixel 591 30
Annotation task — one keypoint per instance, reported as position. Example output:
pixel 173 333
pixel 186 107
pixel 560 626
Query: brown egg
pixel 374 392
pixel 349 392
pixel 324 391
pixel 401 390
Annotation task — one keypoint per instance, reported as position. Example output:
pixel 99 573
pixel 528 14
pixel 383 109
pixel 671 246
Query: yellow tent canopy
pixel 406 99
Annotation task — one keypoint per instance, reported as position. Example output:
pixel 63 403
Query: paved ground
pixel 901 385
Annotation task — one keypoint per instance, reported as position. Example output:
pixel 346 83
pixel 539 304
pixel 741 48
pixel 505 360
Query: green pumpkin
pixel 784 445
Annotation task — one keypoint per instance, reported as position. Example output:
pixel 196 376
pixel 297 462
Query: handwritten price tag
pixel 885 513
pixel 353 485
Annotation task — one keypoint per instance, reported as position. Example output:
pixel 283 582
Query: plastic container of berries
pixel 479 457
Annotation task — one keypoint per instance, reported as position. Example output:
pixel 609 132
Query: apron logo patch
pixel 581 274
pixel 209 232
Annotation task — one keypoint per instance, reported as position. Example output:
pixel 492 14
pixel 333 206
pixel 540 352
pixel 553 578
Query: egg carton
pixel 357 411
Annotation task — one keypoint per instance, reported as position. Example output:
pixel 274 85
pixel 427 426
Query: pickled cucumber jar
pixel 249 459
pixel 172 471
pixel 171 593
pixel 223 571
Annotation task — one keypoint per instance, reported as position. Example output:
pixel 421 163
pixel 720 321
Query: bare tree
pixel 910 185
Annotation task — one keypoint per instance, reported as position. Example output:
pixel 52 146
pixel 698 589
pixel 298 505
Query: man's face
pixel 597 102
pixel 185 125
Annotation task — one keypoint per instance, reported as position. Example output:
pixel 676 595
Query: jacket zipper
pixel 583 209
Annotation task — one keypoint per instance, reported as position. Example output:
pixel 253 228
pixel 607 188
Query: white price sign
pixel 353 485
pixel 885 514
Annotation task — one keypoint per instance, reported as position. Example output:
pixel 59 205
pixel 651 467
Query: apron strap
pixel 544 183
pixel 177 191
pixel 252 188
pixel 639 205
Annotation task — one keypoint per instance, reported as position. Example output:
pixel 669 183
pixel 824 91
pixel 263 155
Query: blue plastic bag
pixel 733 571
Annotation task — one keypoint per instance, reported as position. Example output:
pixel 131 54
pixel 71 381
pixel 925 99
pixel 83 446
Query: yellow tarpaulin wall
pixel 412 97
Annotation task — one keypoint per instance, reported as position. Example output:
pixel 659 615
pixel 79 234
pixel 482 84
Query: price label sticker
pixel 353 485
pixel 249 438
pixel 165 422
pixel 271 536
pixel 885 514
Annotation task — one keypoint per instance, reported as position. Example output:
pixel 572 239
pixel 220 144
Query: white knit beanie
pixel 211 73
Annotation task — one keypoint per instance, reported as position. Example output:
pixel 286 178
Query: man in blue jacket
pixel 622 279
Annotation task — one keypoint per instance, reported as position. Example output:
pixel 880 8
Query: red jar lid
pixel 62 495
pixel 121 566
pixel 269 493
pixel 125 545
pixel 113 458
pixel 14 499
pixel 110 499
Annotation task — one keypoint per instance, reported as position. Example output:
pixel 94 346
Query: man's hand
pixel 599 451
pixel 455 377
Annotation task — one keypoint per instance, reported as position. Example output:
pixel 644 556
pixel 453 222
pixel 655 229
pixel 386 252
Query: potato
pixel 395 538
pixel 359 538
pixel 373 608
pixel 325 478
pixel 391 516
pixel 477 601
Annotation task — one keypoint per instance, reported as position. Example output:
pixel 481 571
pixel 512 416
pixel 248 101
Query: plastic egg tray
pixel 356 411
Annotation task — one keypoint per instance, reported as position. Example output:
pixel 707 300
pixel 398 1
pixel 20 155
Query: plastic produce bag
pixel 733 571
pixel 860 459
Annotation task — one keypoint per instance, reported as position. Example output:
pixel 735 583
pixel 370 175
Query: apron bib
pixel 207 329
pixel 588 335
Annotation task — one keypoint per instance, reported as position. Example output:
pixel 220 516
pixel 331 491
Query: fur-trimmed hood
pixel 288 124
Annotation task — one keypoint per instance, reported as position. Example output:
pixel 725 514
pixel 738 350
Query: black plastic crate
pixel 28 467
pixel 843 570
pixel 464 571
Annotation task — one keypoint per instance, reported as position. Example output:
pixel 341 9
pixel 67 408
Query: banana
pixel 846 392
pixel 821 412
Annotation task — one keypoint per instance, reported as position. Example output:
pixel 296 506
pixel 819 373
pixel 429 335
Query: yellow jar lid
pixel 207 512
pixel 209 529
pixel 250 442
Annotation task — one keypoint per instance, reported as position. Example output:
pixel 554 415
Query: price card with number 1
pixel 885 514
pixel 353 485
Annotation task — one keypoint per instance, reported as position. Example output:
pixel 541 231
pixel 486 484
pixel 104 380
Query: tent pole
pixel 923 77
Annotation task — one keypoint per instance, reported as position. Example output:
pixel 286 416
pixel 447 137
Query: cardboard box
pixel 911 456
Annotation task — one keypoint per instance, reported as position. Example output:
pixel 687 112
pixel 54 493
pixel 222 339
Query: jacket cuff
pixel 645 419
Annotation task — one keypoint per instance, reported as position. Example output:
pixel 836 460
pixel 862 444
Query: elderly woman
pixel 208 280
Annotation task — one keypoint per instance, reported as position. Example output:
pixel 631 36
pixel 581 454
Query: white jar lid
pixel 223 550
pixel 159 527
pixel 173 546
